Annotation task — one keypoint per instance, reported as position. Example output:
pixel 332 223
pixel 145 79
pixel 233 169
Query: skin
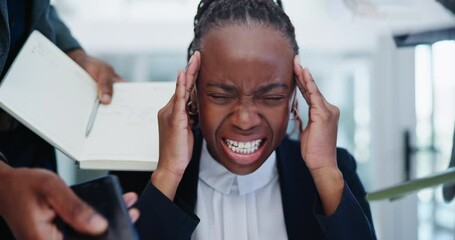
pixel 31 199
pixel 35 197
pixel 248 100
pixel 245 92
pixel 101 72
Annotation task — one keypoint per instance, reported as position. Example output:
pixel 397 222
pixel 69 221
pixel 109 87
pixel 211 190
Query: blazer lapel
pixel 297 192
pixel 3 14
pixel 297 188
pixel 4 29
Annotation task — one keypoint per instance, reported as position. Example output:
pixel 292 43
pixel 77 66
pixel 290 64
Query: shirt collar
pixel 220 179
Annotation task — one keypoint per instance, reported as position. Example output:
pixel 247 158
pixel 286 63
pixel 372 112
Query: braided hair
pixel 212 14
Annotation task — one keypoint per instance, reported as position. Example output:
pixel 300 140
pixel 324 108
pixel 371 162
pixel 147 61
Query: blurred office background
pixel 384 92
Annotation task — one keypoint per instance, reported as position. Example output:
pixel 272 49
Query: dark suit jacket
pixel 43 18
pixel 163 219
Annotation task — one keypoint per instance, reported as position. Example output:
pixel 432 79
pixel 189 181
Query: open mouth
pixel 248 147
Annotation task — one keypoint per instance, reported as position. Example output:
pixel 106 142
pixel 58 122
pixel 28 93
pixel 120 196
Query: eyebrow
pixel 270 87
pixel 261 89
pixel 225 87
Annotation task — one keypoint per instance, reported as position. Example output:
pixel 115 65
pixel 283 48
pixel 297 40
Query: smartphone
pixel 105 196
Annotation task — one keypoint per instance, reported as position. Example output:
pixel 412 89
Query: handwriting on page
pixel 128 127
pixel 131 107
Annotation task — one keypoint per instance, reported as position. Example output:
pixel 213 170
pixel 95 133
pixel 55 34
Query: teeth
pixel 243 147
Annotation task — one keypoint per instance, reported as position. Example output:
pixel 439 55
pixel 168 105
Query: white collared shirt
pixel 238 207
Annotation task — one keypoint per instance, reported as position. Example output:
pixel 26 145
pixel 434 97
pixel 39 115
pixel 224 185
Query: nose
pixel 246 117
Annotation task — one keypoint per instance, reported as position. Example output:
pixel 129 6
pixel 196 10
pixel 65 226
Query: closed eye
pixel 220 98
pixel 275 98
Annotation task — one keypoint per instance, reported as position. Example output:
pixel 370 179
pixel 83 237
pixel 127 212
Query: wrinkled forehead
pixel 247 54
pixel 246 39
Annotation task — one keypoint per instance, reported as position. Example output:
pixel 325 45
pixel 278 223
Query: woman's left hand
pixel 319 136
pixel 318 140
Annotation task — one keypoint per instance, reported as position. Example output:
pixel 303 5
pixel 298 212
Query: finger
pixel 105 84
pixel 163 113
pixel 298 71
pixel 45 231
pixel 180 93
pixel 129 198
pixel 169 105
pixel 74 211
pixel 117 78
pixel 56 234
pixel 316 98
pixel 134 214
pixel 192 72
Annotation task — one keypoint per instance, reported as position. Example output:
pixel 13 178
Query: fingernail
pixel 191 59
pixel 98 223
pixel 297 60
pixel 189 62
pixel 130 202
pixel 106 98
pixel 134 214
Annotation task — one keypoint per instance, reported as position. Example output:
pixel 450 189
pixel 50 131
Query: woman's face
pixel 245 90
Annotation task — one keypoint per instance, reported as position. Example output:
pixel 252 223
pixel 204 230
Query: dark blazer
pixel 44 19
pixel 163 219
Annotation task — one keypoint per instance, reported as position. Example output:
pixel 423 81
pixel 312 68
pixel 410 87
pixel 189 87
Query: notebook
pixel 54 97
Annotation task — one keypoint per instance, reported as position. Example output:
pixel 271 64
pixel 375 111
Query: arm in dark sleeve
pixel 3 158
pixel 352 218
pixel 62 35
pixel 163 219
pixel 348 222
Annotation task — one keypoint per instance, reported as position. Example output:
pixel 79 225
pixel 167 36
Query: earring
pixel 295 112
pixel 192 109
pixel 192 106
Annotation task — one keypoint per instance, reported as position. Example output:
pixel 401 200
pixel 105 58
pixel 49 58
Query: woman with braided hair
pixel 224 153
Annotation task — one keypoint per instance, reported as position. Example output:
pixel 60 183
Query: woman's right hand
pixel 175 132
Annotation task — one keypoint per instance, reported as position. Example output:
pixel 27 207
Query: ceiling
pixel 356 24
pixel 321 25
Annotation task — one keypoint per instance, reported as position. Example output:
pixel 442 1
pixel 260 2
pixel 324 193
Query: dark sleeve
pixel 133 181
pixel 3 158
pixel 347 222
pixel 62 35
pixel 352 218
pixel 163 219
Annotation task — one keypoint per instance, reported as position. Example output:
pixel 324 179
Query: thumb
pixel 105 87
pixel 75 212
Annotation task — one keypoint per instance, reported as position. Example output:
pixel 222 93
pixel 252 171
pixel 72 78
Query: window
pixel 435 114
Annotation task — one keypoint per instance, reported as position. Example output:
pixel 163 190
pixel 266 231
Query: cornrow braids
pixel 219 13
